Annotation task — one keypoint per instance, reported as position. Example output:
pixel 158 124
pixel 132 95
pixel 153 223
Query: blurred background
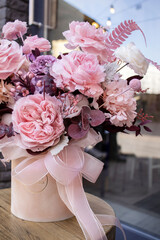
pixel 130 180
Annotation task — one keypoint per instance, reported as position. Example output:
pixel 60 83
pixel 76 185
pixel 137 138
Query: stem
pixel 101 105
pixel 123 92
pixel 21 37
pixel 44 90
pixel 122 67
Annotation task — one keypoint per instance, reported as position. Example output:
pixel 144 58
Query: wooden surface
pixel 12 228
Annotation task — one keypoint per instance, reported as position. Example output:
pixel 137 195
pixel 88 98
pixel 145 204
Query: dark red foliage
pixel 6 130
pixel 76 131
pixel 80 125
pixel 135 76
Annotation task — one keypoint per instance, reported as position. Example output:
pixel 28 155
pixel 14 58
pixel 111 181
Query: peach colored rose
pixel 88 38
pixel 38 122
pixel 11 58
pixel 13 30
pixel 34 42
pixel 79 71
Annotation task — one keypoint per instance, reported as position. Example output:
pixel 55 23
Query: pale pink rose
pixel 89 38
pixel 11 58
pixel 120 102
pixel 34 42
pixel 38 122
pixel 13 30
pixel 79 71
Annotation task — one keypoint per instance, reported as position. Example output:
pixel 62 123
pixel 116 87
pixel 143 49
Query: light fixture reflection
pixel 109 23
pixel 95 24
pixel 112 9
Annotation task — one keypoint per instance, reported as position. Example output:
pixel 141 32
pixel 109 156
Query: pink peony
pixel 11 58
pixel 34 42
pixel 79 71
pixel 39 122
pixel 120 102
pixel 13 30
pixel 89 38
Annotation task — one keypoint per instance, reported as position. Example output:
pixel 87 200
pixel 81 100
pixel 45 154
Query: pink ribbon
pixel 67 168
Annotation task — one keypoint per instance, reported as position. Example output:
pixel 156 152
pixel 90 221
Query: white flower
pixel 59 147
pixel 110 70
pixel 131 54
pixel 111 73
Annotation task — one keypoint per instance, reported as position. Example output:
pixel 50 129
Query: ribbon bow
pixel 67 168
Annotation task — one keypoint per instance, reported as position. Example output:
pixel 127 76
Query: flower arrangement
pixel 50 106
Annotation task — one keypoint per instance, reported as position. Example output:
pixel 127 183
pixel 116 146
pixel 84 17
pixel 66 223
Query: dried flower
pixel 42 64
pixel 6 91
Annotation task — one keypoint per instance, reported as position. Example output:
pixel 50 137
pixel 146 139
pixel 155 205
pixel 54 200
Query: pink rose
pixel 79 71
pixel 120 102
pixel 11 58
pixel 13 30
pixel 39 122
pixel 34 42
pixel 89 38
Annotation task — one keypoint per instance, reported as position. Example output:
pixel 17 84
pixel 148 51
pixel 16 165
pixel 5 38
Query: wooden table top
pixel 13 228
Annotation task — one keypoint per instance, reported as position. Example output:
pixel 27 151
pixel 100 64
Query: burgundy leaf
pixel 138 132
pixel 85 117
pixel 2 134
pixel 145 122
pixel 36 52
pixel 9 130
pixel 135 76
pixel 2 130
pixel 147 129
pixel 60 56
pixel 76 119
pixel 5 110
pixel 76 132
pixel 36 153
pixel 133 128
pixel 97 118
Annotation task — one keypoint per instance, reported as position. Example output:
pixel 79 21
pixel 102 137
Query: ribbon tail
pixel 110 220
pixel 75 199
